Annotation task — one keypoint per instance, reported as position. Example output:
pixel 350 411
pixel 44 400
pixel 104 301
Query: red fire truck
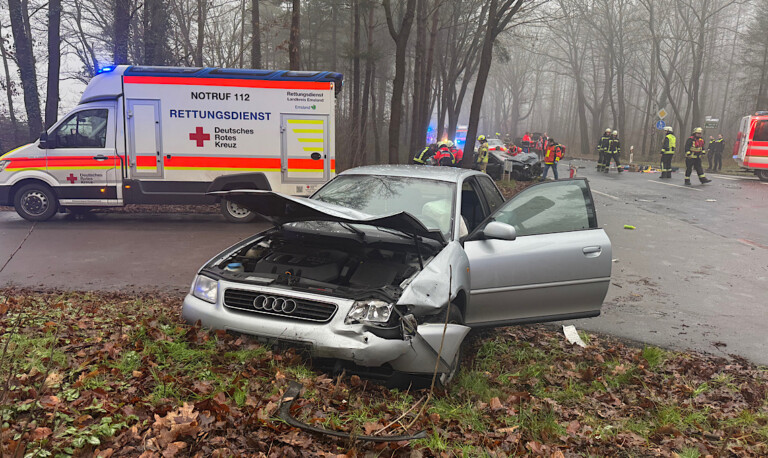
pixel 751 148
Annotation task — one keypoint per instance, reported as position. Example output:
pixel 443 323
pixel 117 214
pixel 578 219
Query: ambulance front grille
pixel 282 306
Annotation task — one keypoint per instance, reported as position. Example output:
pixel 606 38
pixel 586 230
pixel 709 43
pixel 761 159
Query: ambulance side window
pixel 761 132
pixel 84 129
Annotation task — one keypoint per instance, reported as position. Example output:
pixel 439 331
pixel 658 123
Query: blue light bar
pixel 106 69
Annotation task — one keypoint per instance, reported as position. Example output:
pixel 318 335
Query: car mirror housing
pixel 499 231
pixel 43 144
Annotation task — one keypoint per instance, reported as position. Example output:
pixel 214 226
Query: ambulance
pixel 171 135
pixel 751 148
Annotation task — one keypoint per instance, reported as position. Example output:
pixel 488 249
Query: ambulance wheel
pixel 35 202
pixel 762 175
pixel 235 213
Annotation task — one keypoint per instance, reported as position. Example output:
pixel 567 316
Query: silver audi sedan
pixel 387 268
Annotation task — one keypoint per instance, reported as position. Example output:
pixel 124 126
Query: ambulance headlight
pixel 3 164
pixel 206 289
pixel 369 312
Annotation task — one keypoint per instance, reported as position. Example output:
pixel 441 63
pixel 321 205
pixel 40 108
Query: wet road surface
pixel 694 272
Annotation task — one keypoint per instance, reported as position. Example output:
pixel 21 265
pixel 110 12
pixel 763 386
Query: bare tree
pixel 294 44
pixel 25 59
pixel 54 62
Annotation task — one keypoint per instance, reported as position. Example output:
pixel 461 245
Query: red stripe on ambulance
pixel 221 82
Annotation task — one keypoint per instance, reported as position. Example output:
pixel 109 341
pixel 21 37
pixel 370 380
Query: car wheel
pixel 35 202
pixel 762 174
pixel 235 213
pixel 454 317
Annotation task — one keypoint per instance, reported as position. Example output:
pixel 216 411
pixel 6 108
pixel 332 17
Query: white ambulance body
pixel 166 135
pixel 751 147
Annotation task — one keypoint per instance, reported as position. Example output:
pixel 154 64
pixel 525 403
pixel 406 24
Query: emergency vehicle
pixel 170 135
pixel 751 148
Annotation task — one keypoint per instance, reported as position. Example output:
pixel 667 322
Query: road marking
pixel 675 185
pixel 751 243
pixel 724 177
pixel 606 195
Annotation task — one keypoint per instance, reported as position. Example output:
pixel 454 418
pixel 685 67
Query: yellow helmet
pixel 697 130
pixel 481 138
pixel 607 130
pixel 615 132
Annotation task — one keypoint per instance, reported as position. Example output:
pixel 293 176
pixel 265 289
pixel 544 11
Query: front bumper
pixel 333 339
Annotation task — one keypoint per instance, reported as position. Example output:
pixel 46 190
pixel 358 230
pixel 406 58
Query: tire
pixel 454 317
pixel 762 174
pixel 235 213
pixel 35 202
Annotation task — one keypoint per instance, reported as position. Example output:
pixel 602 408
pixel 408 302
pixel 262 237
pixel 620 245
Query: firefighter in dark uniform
pixel 423 156
pixel 602 147
pixel 694 149
pixel 668 146
pixel 710 152
pixel 717 160
pixel 612 152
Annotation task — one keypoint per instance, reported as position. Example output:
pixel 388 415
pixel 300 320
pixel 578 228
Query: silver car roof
pixel 451 174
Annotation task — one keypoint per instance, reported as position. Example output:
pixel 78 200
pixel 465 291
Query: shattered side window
pixel 429 201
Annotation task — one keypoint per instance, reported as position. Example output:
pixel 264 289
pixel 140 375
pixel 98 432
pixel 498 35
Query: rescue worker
pixel 526 142
pixel 551 158
pixel 602 147
pixel 612 152
pixel 481 161
pixel 445 155
pixel 719 148
pixel 668 146
pixel 422 157
pixel 694 149
pixel 710 150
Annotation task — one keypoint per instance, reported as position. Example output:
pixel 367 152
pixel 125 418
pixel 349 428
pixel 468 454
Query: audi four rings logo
pixel 274 304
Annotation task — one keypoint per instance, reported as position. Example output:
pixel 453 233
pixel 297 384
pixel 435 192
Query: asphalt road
pixel 693 274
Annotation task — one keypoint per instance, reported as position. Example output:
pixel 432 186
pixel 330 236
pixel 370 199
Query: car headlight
pixel 3 164
pixel 369 312
pixel 206 289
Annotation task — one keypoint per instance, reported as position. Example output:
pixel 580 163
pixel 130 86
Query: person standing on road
pixel 551 158
pixel 719 148
pixel 526 142
pixel 694 149
pixel 482 154
pixel 710 151
pixel 667 152
pixel 602 147
pixel 612 152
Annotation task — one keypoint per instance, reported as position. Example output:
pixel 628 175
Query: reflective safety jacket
pixel 554 154
pixel 668 145
pixel 614 146
pixel 602 144
pixel 482 153
pixel 719 145
pixel 694 147
pixel 445 156
pixel 425 154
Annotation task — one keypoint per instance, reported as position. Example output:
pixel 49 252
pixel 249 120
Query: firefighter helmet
pixel 668 129
pixel 481 138
pixel 697 130
pixel 448 143
pixel 607 130
pixel 615 132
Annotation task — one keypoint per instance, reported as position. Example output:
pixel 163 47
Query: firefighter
pixel 710 151
pixel 612 152
pixel 667 152
pixel 602 147
pixel 551 158
pixel 694 149
pixel 526 142
pixel 445 155
pixel 482 154
pixel 422 157
pixel 719 148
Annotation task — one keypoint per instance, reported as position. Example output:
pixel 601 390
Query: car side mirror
pixel 499 231
pixel 43 140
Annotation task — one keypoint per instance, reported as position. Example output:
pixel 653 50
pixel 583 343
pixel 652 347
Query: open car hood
pixel 280 209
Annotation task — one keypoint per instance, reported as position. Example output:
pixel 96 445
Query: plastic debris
pixel 572 336
pixel 627 226
pixel 615 260
pixel 710 200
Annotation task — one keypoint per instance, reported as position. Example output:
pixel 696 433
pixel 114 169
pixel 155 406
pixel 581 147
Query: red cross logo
pixel 199 136
pixel 71 178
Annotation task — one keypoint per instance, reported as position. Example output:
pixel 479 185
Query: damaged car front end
pixel 373 288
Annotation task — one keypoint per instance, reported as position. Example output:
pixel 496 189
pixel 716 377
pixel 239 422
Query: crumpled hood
pixel 280 209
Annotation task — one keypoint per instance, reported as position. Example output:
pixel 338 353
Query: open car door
pixel 555 264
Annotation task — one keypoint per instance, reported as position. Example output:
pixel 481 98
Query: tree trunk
pixel 25 60
pixel 255 35
pixel 355 131
pixel 122 30
pixel 54 62
pixel 9 89
pixel 396 105
pixel 294 41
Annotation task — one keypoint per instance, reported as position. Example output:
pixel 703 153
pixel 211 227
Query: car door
pixel 557 267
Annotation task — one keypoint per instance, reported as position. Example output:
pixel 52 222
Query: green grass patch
pixel 654 356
